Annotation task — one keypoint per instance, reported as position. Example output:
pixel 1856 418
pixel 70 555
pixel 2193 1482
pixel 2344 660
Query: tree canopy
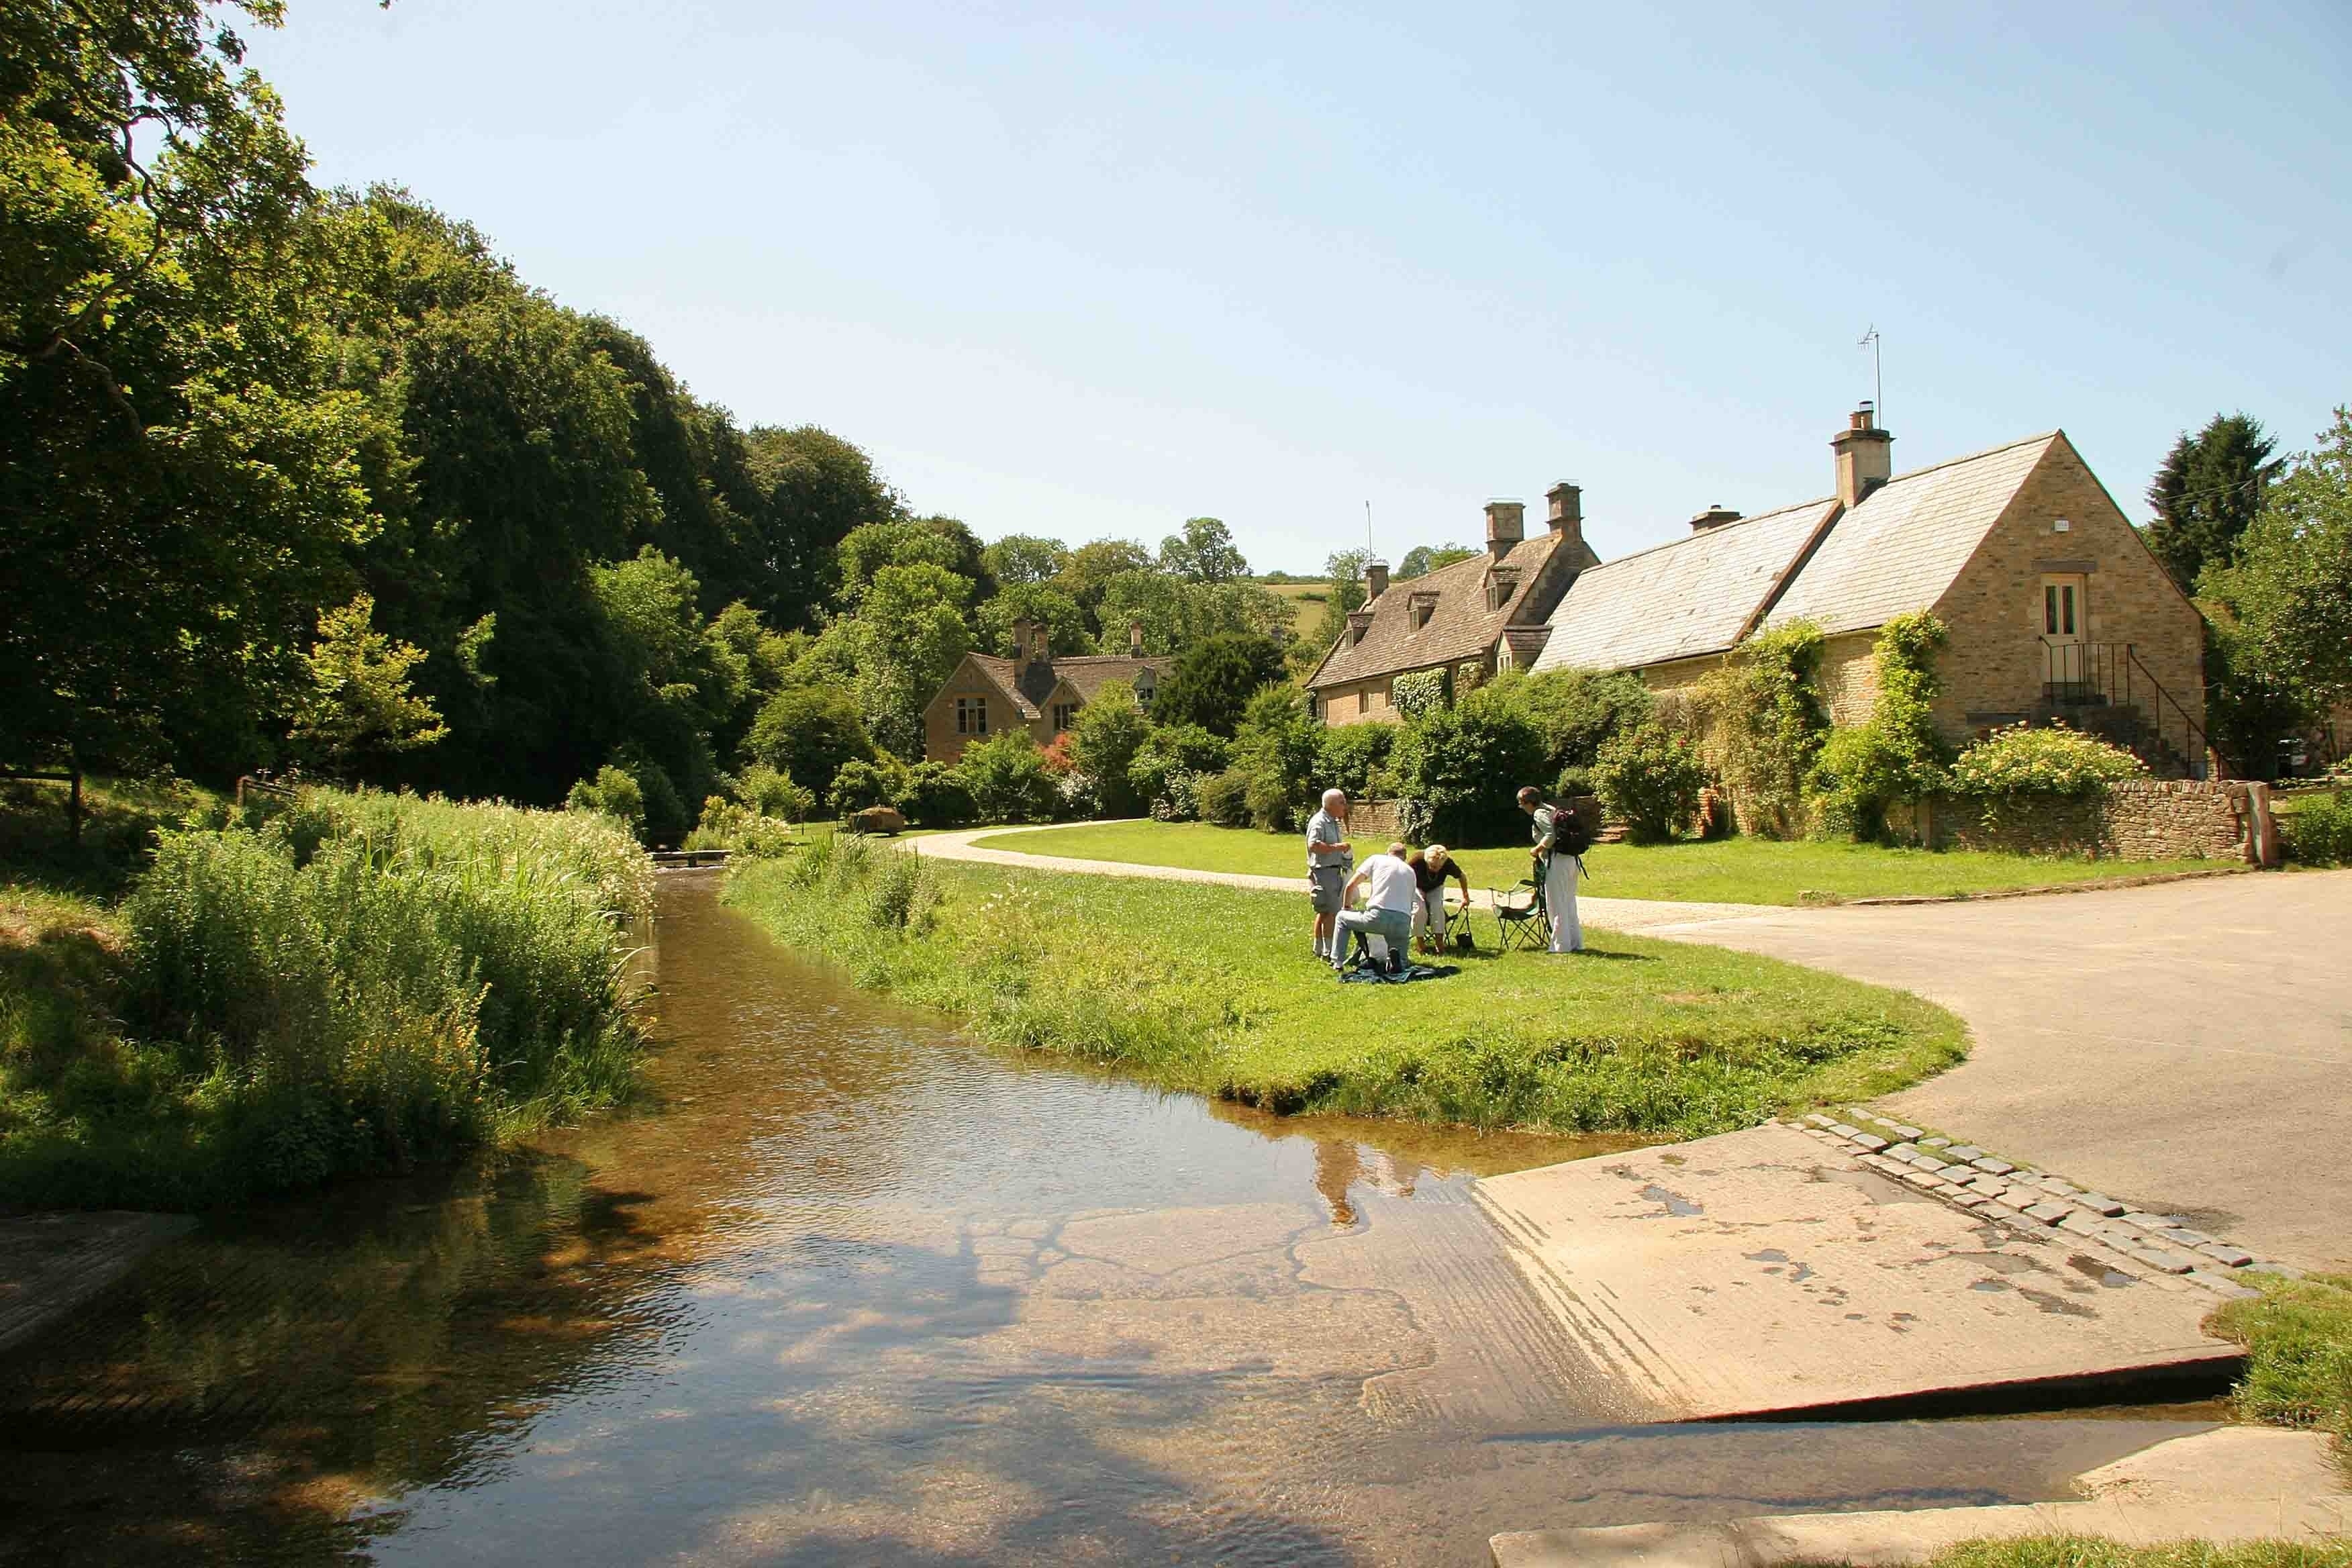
pixel 2207 490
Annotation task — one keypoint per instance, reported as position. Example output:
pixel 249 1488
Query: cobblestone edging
pixel 2035 1203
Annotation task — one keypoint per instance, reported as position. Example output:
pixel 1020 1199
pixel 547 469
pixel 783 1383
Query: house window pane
pixel 2050 608
pixel 2066 608
pixel 971 716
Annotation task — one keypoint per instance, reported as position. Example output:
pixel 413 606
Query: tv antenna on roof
pixel 1877 377
pixel 1369 550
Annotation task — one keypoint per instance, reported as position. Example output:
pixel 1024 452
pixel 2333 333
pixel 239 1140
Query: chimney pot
pixel 1135 639
pixel 1020 647
pixel 1865 459
pixel 1506 524
pixel 1567 519
pixel 1713 517
pixel 1376 580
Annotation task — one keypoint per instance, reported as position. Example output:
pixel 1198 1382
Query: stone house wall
pixel 1993 667
pixel 942 744
pixel 2149 819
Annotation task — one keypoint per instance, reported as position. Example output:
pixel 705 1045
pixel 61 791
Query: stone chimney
pixel 1506 524
pixel 1135 639
pixel 1864 458
pixel 1020 650
pixel 1713 517
pixel 1376 580
pixel 1567 519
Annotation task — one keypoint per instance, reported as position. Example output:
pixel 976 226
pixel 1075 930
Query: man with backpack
pixel 1561 843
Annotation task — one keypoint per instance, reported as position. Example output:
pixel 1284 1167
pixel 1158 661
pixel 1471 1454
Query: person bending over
pixel 1388 907
pixel 1431 866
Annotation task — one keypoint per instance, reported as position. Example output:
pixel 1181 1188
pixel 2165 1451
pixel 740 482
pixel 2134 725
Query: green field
pixel 1216 990
pixel 1729 871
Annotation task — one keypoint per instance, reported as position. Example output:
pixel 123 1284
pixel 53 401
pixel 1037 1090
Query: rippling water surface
pixel 852 1289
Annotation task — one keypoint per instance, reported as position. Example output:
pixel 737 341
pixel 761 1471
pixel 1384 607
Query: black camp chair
pixel 1522 916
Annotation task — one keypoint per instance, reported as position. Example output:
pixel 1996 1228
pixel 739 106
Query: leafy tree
pixel 613 793
pixel 1215 680
pixel 1056 611
pixel 807 732
pixel 1764 724
pixel 1354 757
pixel 178 479
pixel 1170 755
pixel 1275 748
pixel 908 635
pixel 1462 766
pixel 1578 710
pixel 359 699
pixel 817 488
pixel 1347 574
pixel 1108 732
pixel 904 541
pixel 1090 571
pixel 935 796
pixel 1203 553
pixel 2207 490
pixel 1020 558
pixel 1423 559
pixel 2287 602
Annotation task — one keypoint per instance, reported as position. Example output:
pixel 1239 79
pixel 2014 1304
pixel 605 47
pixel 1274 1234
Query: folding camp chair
pixel 1522 917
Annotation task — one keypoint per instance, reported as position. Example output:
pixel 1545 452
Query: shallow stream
pixel 854 1289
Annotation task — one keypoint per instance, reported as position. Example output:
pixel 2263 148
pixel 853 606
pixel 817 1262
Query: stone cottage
pixel 1487 611
pixel 2055 607
pixel 986 695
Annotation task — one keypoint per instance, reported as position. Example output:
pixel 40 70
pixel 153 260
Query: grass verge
pixel 2298 1340
pixel 1214 990
pixel 2089 1551
pixel 361 984
pixel 1728 870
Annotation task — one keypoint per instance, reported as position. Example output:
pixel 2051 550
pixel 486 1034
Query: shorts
pixel 1326 885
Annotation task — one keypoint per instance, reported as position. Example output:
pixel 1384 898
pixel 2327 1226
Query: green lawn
pixel 1729 871
pixel 2089 1551
pixel 1214 990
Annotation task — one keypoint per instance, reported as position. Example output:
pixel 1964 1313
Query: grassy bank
pixel 1729 871
pixel 2298 1340
pixel 1213 990
pixel 361 983
pixel 2087 1552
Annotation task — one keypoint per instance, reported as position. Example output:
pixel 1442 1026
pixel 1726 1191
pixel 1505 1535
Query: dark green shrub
pixel 611 793
pixel 2319 833
pixel 1168 764
pixel 1460 768
pixel 1110 730
pixel 935 796
pixel 1897 754
pixel 1578 710
pixel 809 732
pixel 1652 778
pixel 1007 779
pixel 859 784
pixel 1223 798
pixel 1275 748
pixel 1354 757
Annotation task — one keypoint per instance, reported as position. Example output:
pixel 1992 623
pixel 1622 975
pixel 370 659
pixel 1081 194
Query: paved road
pixel 1610 914
pixel 2186 1046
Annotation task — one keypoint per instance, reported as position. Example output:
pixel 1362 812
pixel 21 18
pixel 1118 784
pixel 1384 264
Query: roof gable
pixel 1681 599
pixel 1459 624
pixel 1904 546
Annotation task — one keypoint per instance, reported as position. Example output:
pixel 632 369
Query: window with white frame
pixel 972 715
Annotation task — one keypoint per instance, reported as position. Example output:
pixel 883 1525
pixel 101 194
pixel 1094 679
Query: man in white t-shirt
pixel 1388 906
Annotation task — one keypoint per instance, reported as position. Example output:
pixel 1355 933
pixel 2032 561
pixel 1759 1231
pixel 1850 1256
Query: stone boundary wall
pixel 1373 819
pixel 2143 819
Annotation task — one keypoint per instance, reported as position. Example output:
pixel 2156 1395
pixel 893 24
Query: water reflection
pixel 854 1289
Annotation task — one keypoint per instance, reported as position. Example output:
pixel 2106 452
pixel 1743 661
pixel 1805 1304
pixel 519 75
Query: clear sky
pixel 1083 270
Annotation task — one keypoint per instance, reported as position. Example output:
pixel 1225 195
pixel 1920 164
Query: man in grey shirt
pixel 1330 858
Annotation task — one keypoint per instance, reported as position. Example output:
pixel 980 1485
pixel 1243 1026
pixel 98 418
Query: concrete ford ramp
pixel 1761 1273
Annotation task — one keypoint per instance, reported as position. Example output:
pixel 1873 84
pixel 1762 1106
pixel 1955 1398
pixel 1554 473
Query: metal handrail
pixel 2196 745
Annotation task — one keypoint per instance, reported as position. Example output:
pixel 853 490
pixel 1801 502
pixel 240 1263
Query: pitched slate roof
pixel 1899 551
pixel 1460 624
pixel 1903 546
pixel 1680 599
pixel 1086 674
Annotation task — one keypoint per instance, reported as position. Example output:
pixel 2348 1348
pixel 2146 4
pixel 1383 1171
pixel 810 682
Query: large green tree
pixel 2287 602
pixel 2207 490
pixel 179 480
pixel 1214 679
pixel 1203 553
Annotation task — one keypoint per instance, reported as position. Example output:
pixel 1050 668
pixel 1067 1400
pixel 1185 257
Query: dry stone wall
pixel 2151 819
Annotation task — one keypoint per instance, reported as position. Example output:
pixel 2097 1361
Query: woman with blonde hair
pixel 1431 866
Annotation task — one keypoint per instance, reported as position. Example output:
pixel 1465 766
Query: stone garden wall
pixel 2152 819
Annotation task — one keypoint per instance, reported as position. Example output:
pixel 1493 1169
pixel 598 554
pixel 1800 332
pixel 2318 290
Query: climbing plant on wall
pixel 1764 724
pixel 1897 754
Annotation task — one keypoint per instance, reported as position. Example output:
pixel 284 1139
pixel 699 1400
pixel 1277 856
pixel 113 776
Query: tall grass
pixel 362 982
pixel 1213 989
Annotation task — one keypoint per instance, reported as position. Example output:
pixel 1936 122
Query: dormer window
pixel 1420 609
pixel 1500 587
pixel 1144 690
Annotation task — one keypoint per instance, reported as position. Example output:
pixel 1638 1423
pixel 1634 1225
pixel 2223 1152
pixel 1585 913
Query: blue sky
pixel 1088 270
